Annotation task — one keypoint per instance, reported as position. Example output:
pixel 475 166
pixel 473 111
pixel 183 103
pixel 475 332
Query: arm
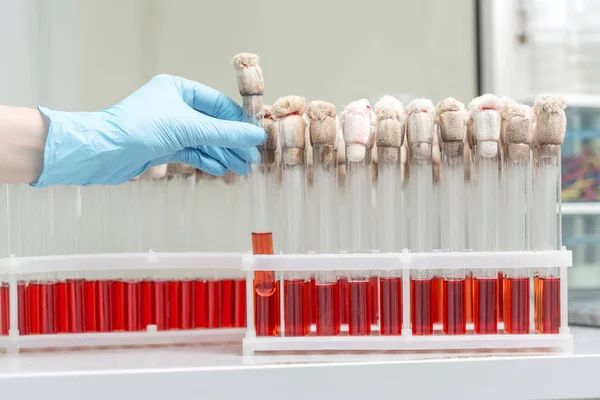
pixel 23 134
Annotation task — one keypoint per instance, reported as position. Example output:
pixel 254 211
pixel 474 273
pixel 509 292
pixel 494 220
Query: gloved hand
pixel 168 120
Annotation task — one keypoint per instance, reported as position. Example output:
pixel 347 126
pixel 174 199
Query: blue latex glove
pixel 168 120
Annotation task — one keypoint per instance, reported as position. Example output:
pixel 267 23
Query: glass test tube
pixel 266 294
pixel 516 281
pixel 327 286
pixel 452 229
pixel 4 306
pixel 358 183
pixel 546 236
pixel 388 208
pixel 420 187
pixel 296 290
pixel 484 205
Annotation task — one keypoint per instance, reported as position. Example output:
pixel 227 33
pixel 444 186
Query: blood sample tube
pixel 90 302
pixel 356 125
pixel 517 136
pixel 173 302
pixel 485 124
pixel 160 300
pixel 391 122
pixel 4 307
pixel 420 125
pixel 187 302
pixel 23 307
pixel 147 304
pixel 132 302
pixel 61 297
pixel 214 286
pixel 239 303
pixel 545 223
pixel 288 112
pixel 119 310
pixel 103 303
pixel 201 300
pixel 75 301
pixel 227 300
pixel 451 119
pixel 251 87
pixel 326 294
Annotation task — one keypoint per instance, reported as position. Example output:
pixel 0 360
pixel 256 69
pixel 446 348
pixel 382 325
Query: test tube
pixel 419 134
pixel 356 125
pixel 343 241
pixel 451 118
pixel 484 141
pixel 266 302
pixel 4 306
pixel 288 111
pixel 390 135
pixel 517 134
pixel 545 223
pixel 323 134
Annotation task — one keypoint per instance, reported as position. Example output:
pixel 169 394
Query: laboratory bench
pixel 220 372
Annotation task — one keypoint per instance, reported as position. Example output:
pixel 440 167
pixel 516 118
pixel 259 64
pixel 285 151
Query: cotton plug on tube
pixel 486 115
pixel 250 82
pixel 549 134
pixel 451 118
pixel 356 127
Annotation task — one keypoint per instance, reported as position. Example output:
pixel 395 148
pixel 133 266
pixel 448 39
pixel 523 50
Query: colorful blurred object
pixel 581 156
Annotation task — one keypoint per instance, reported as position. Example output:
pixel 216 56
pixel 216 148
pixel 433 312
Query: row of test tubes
pixel 422 178
pixel 133 301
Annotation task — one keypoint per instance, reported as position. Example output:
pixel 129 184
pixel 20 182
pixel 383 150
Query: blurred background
pixel 87 55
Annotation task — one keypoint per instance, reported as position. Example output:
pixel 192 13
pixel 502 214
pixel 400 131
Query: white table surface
pixel 220 372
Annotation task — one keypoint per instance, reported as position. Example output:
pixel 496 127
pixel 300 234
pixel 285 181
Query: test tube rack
pixel 406 262
pixel 196 267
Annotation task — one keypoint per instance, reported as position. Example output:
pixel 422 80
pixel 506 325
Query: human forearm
pixel 23 134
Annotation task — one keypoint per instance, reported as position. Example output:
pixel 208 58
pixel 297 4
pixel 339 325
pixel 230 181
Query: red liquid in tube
pixel 132 303
pixel 454 307
pixel 549 291
pixel 313 301
pixel 75 302
pixel 118 309
pixel 22 300
pixel 174 304
pixel 327 301
pixel 62 307
pixel 374 300
pixel 437 300
pixel 266 291
pixel 33 309
pixel 239 306
pixel 485 297
pixel 344 300
pixel 296 298
pixel 187 305
pixel 359 323
pixel 500 297
pixel 469 298
pixel 516 307
pixel 227 299
pixel 146 303
pixel 214 303
pixel 90 305
pixel 420 295
pixel 47 309
pixel 160 304
pixel 103 309
pixel 390 299
pixel 4 310
pixel 200 304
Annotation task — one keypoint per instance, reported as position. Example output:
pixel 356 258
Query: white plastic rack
pixel 15 269
pixel 406 261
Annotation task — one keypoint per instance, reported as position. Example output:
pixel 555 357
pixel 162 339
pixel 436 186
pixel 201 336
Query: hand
pixel 168 120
